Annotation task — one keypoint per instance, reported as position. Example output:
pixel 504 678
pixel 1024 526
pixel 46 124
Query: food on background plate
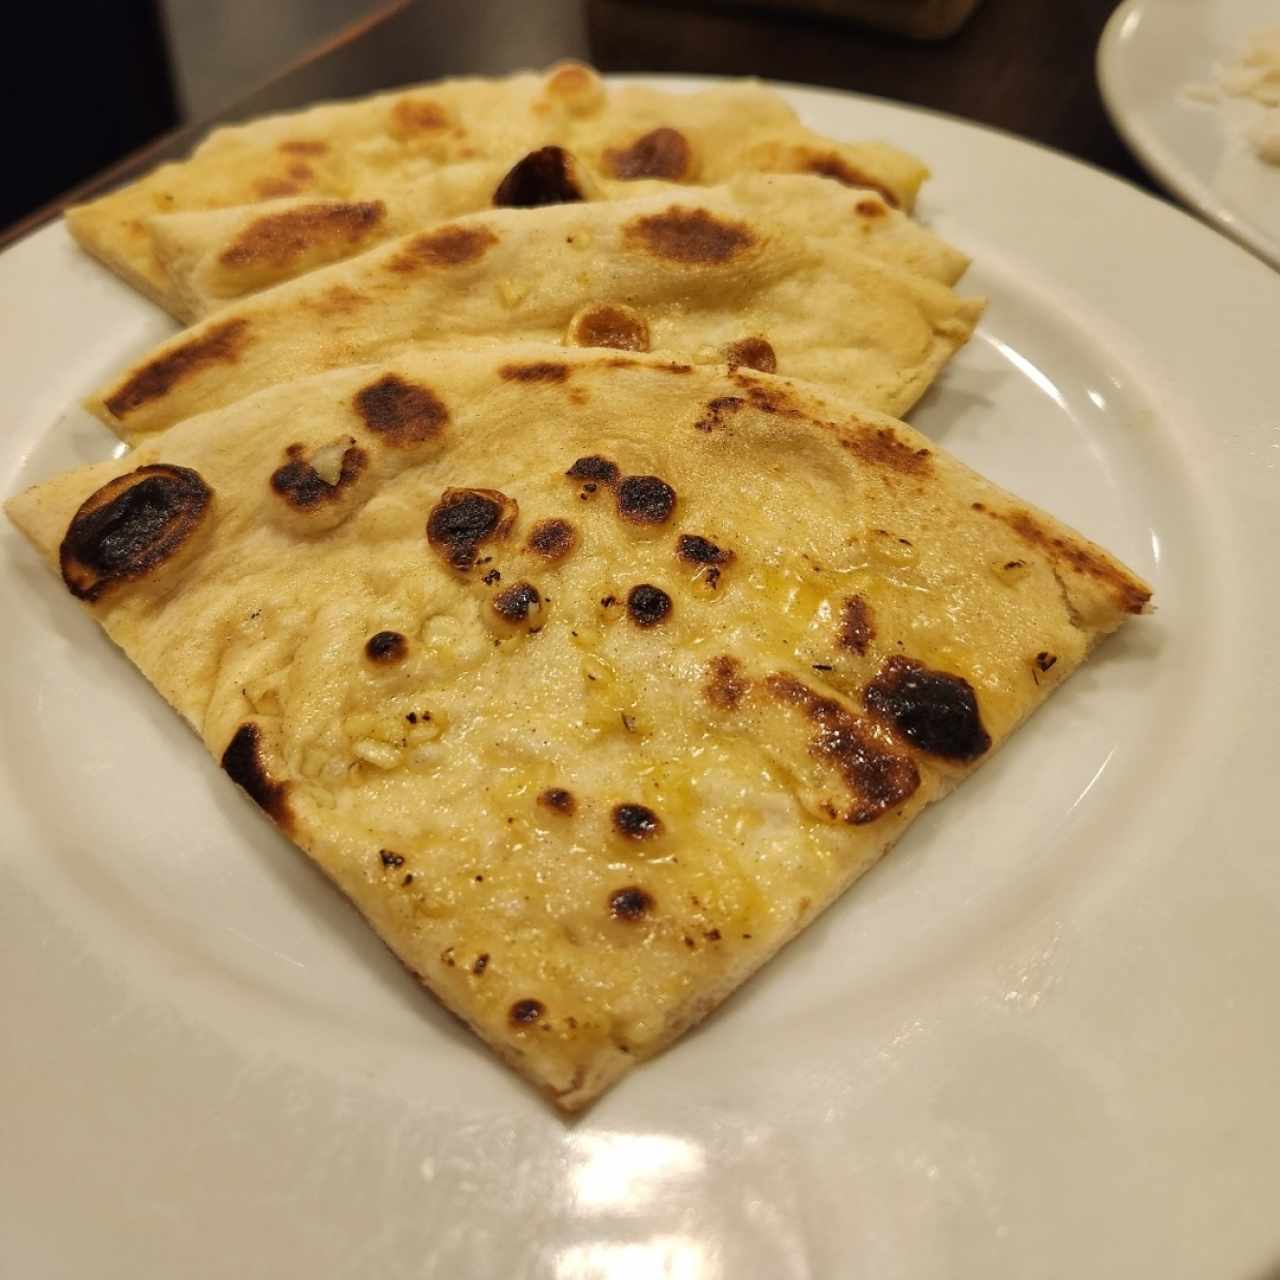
pixel 786 274
pixel 1254 77
pixel 379 155
pixel 590 677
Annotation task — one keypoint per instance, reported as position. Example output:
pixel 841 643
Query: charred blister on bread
pixel 662 153
pixel 552 540
pixel 318 484
pixel 399 412
pixel 876 778
pixel 276 241
pixel 220 344
pixel 609 324
pixel 450 246
pixel 549 175
pixel 593 471
pixel 131 527
pixel 645 500
pixel 243 760
pixel 648 605
pixel 752 353
pixel 933 710
pixel 465 519
pixel 550 371
pixel 691 237
pixel 857 626
pixel 519 605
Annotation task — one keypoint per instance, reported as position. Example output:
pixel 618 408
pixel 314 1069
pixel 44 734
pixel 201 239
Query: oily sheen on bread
pixel 590 678
pixel 380 148
pixel 784 274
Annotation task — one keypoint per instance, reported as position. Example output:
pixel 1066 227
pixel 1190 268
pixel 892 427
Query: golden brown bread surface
pixel 385 148
pixel 590 678
pixel 827 279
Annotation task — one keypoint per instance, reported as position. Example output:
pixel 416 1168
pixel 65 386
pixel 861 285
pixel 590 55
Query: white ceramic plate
pixel 1040 1040
pixel 1150 51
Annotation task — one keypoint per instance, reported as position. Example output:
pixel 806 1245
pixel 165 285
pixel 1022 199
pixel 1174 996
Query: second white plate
pixel 1150 51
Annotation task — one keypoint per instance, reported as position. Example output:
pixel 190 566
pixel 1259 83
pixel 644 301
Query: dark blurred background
pixel 102 78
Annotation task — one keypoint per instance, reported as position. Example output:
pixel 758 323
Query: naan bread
pixel 763 271
pixel 376 148
pixel 589 678
pixel 214 257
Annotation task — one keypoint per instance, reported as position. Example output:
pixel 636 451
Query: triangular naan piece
pixel 764 271
pixel 376 148
pixel 589 678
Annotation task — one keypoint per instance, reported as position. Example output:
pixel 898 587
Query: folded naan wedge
pixel 590 678
pixel 377 149
pixel 214 257
pixel 762 271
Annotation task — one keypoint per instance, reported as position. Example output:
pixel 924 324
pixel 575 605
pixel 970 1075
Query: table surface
pixel 1021 65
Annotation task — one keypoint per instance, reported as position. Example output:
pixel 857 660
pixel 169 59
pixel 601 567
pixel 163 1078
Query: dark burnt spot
pixel 646 500
pixel 280 239
pixel 718 411
pixel 491 577
pixel 630 904
pixel 546 176
pixel 524 1013
pixel 219 344
pixel 243 763
pixel 661 153
pixel 463 519
pixel 883 447
pixel 302 486
pixel 558 800
pixel 516 603
pixel 401 413
pixel 857 626
pixel 1044 660
pixel 712 935
pixel 871 208
pixel 725 685
pixel 695 549
pixel 648 605
pixel 1129 593
pixel 636 821
pixel 595 470
pixel 538 371
pixel 552 539
pixel 481 964
pixel 933 710
pixel 390 859
pixel 408 880
pixel 693 237
pixel 386 647
pixel 878 779
pixel 610 325
pixel 753 353
pixel 304 147
pixel 838 168
pixel 451 246
pixel 131 526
